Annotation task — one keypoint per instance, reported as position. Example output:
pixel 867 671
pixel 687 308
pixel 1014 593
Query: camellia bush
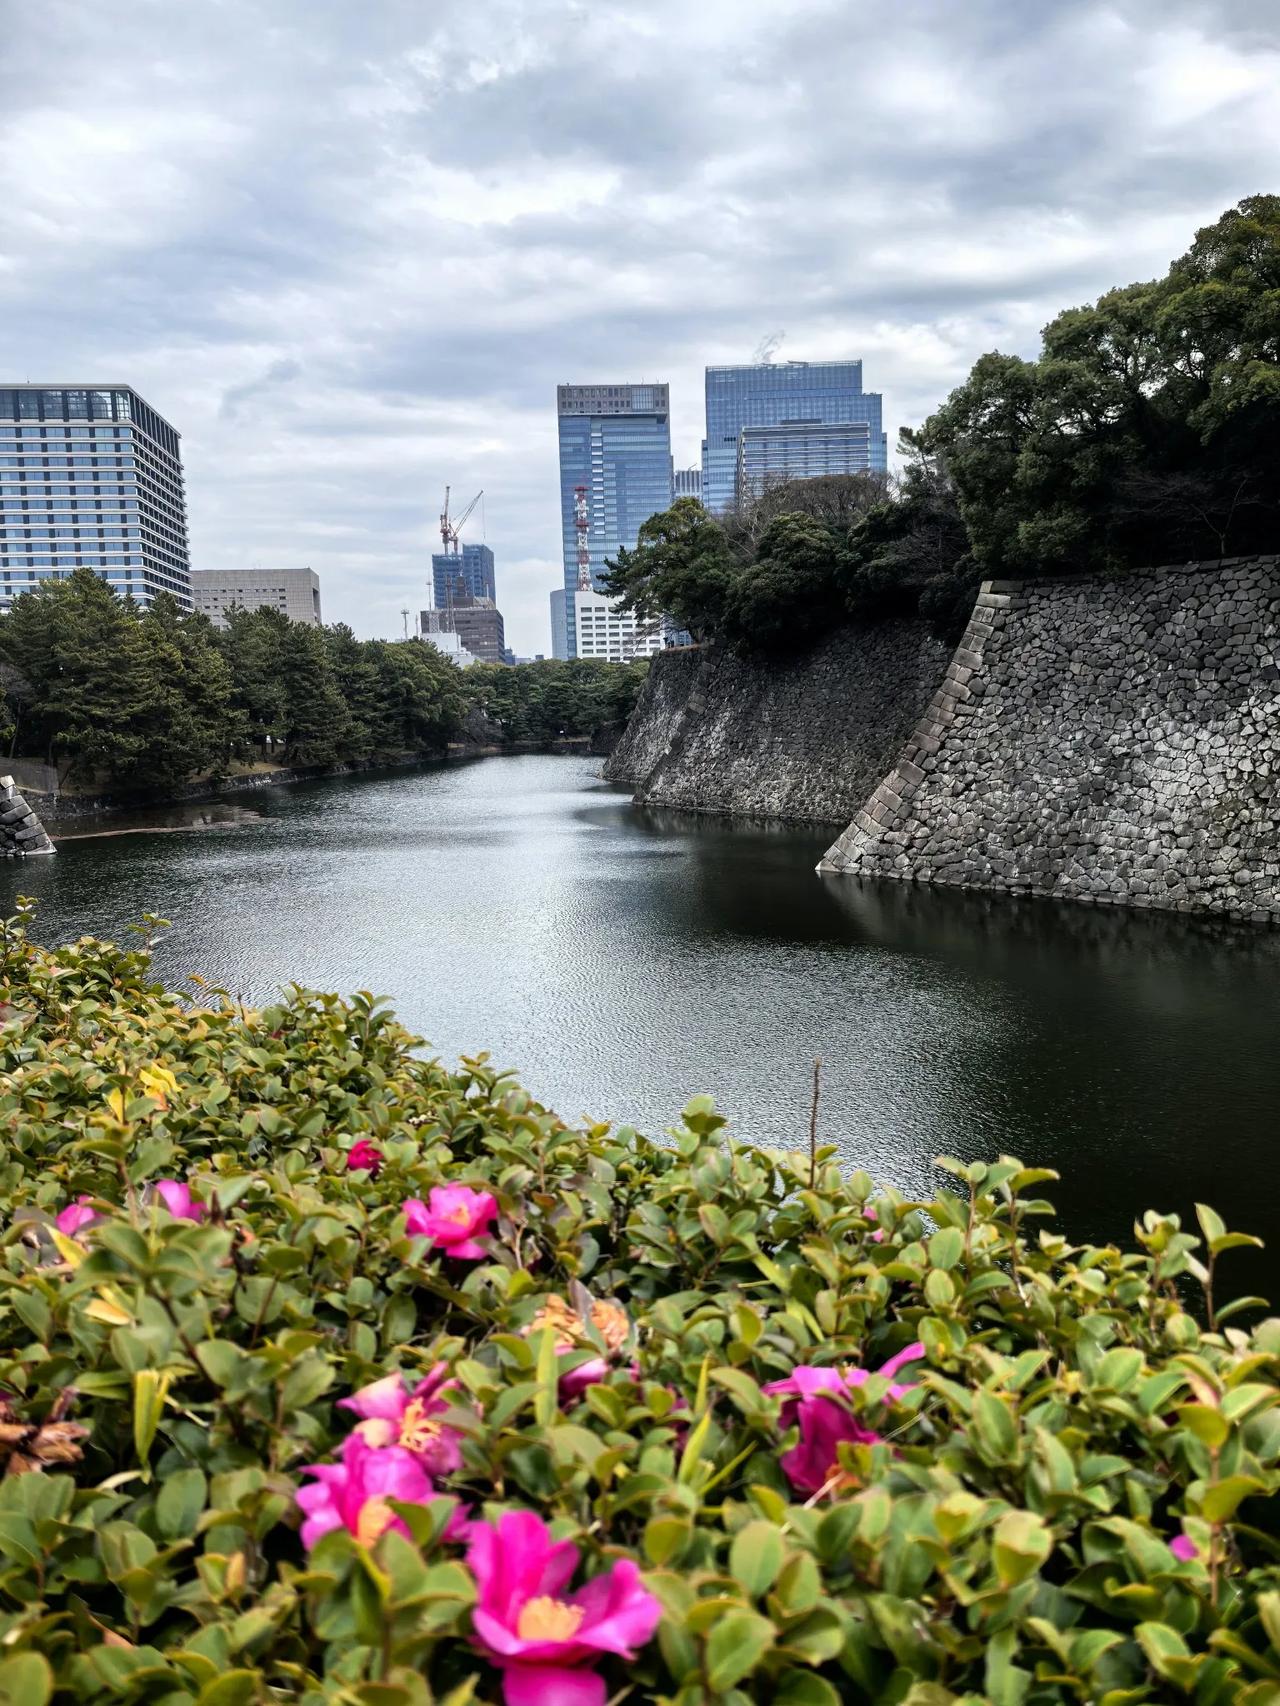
pixel 330 1374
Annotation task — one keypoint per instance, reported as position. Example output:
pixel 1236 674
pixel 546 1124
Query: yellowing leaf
pixel 109 1310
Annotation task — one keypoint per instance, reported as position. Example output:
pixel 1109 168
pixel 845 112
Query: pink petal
pixel 551 1685
pixel 621 1613
pixel 467 1251
pixel 912 1353
pixel 516 1560
pixel 416 1214
pixel 385 1398
pixel 1184 1548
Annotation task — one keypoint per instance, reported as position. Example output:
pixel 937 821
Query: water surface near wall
pixel 622 960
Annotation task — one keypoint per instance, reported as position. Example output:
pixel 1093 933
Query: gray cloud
pixel 351 251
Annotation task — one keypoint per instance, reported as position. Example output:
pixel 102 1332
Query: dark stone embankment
pixel 804 737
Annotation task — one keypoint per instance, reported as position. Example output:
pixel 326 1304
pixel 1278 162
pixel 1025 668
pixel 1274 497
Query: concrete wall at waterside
pixel 1110 740
pixel 804 737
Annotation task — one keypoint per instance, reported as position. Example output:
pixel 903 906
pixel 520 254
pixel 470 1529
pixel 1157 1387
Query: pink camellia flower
pixel 869 1213
pixel 454 1217
pixel 1184 1548
pixel 392 1415
pixel 353 1492
pixel 178 1200
pixel 814 1399
pixel 364 1154
pixel 542 1638
pixel 76 1216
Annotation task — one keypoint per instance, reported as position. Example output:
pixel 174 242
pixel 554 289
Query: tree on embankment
pixel 1144 433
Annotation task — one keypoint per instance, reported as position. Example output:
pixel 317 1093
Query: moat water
pixel 621 960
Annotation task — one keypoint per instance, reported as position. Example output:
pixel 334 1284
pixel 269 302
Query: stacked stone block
pixel 800 737
pixel 21 831
pixel 1108 740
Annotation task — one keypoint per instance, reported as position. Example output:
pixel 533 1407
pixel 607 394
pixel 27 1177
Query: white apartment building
pixel 604 631
pixel 295 593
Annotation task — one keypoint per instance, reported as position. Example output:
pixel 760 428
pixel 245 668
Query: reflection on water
pixel 621 960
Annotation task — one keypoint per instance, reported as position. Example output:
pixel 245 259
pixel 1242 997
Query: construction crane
pixel 449 528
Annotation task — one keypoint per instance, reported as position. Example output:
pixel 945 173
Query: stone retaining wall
pixel 1109 740
pixel 21 831
pixel 803 737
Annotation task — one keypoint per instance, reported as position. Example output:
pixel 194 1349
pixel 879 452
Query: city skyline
pixel 350 258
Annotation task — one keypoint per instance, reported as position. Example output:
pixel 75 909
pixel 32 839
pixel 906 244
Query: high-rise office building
pixel 799 451
pixel 295 593
pixel 777 394
pixel 468 571
pixel 559 629
pixel 93 478
pixel 687 483
pixel 615 472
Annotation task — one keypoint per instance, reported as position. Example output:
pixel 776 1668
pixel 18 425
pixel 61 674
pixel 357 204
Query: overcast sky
pixel 350 249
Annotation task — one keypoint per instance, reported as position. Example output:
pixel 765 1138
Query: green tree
pixel 197 725
pixel 789 592
pixel 96 682
pixel 681 567
pixel 1144 432
pixel 317 723
pixel 419 694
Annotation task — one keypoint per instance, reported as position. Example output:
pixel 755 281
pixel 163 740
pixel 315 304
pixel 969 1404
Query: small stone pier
pixel 21 832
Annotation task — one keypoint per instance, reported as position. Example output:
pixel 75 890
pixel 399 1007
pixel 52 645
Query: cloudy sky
pixel 350 249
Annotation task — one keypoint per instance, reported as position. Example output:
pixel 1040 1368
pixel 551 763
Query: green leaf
pixel 179 1503
pixel 235 1688
pixel 735 1647
pixel 1221 1501
pixel 1207 1423
pixel 25 1680
pixel 1167 1653
pixel 755 1557
pixel 1119 1369
pixel 18 1539
pixel 946 1247
pixel 1211 1223
pixel 803 1688
pixel 994 1428
pixel 1020 1545
pixel 546 1402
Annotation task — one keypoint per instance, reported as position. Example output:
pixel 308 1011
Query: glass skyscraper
pixel 94 478
pixel 468 572
pixel 771 394
pixel 615 472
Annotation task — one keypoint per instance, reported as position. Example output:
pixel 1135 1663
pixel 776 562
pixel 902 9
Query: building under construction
pixel 464 589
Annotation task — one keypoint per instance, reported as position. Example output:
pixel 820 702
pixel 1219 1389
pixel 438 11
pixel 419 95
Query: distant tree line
pixel 144 699
pixel 1145 433
pixel 546 700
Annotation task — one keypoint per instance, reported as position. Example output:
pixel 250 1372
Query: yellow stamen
pixel 417 1428
pixel 460 1216
pixel 376 1517
pixel 547 1619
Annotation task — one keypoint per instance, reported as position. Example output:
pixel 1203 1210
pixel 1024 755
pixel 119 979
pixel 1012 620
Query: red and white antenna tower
pixel 582 521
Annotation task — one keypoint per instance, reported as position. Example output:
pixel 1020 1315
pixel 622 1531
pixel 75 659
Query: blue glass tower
pixel 772 394
pixel 615 472
pixel 468 573
pixel 90 478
